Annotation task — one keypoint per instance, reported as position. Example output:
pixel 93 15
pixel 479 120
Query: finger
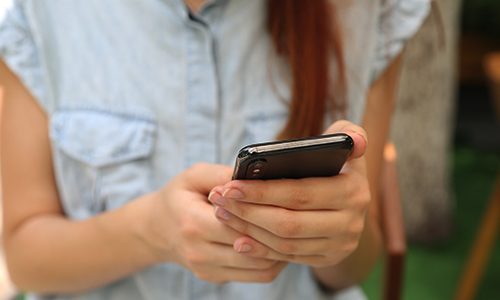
pixel 257 249
pixel 347 189
pixel 218 189
pixel 258 276
pixel 222 275
pixel 357 133
pixel 289 237
pixel 221 234
pixel 209 228
pixel 356 161
pixel 202 177
pixel 224 255
pixel 314 252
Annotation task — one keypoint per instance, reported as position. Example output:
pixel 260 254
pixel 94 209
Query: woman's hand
pixel 181 228
pixel 313 221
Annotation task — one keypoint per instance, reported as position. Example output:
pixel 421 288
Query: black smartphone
pixel 318 156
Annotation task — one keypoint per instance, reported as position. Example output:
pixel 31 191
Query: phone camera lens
pixel 256 169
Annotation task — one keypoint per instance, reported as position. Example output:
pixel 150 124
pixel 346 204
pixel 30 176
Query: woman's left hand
pixel 313 221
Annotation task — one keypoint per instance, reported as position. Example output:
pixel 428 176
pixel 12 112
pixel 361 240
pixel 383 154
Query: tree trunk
pixel 423 124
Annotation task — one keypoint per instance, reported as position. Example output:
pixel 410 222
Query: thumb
pixel 203 177
pixel 357 133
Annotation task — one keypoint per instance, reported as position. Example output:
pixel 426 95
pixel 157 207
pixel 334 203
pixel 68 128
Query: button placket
pixel 202 101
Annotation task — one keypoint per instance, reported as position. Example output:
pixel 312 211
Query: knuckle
pixel 259 195
pixel 264 263
pixel 240 210
pixel 361 197
pixel 244 228
pixel 197 167
pixel 322 261
pixel 334 257
pixel 269 275
pixel 286 247
pixel 357 226
pixel 350 246
pixel 323 247
pixel 365 195
pixel 329 261
pixel 223 173
pixel 288 228
pixel 288 225
pixel 266 253
pixel 205 276
pixel 190 230
pixel 194 258
pixel 299 197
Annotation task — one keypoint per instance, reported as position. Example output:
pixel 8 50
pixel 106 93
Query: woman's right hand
pixel 180 227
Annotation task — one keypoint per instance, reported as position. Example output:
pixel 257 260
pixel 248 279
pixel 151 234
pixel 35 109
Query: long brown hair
pixel 307 35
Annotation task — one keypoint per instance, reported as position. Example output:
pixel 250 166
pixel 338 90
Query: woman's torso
pixel 138 90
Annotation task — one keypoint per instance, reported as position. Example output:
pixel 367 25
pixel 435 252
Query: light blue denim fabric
pixel 138 90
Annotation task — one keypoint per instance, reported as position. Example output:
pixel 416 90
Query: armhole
pixel 399 20
pixel 19 52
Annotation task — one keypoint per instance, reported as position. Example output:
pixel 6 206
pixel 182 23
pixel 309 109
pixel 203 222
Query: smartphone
pixel 318 156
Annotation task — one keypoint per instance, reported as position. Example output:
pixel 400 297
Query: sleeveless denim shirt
pixel 136 91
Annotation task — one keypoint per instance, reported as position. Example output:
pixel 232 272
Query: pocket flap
pixel 100 138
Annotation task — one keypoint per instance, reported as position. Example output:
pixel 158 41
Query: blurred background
pixel 446 129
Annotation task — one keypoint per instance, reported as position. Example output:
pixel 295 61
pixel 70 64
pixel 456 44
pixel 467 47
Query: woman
pixel 121 121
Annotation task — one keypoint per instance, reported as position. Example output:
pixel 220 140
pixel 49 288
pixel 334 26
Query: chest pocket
pixel 102 158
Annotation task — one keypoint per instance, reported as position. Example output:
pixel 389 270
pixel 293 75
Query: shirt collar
pixel 181 8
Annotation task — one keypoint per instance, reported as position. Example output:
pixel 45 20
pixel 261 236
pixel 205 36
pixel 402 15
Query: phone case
pixel 318 156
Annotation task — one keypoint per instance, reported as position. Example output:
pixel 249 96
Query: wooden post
pixel 481 250
pixel 392 227
pixel 487 233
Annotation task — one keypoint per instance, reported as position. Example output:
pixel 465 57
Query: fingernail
pixel 244 248
pixel 364 136
pixel 222 213
pixel 232 194
pixel 217 199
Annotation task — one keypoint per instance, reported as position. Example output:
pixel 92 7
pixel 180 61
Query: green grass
pixel 432 272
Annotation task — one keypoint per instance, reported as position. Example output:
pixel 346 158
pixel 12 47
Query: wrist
pixel 139 216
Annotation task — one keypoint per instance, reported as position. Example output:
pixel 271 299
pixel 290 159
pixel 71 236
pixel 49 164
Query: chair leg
pixel 483 244
pixel 393 227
